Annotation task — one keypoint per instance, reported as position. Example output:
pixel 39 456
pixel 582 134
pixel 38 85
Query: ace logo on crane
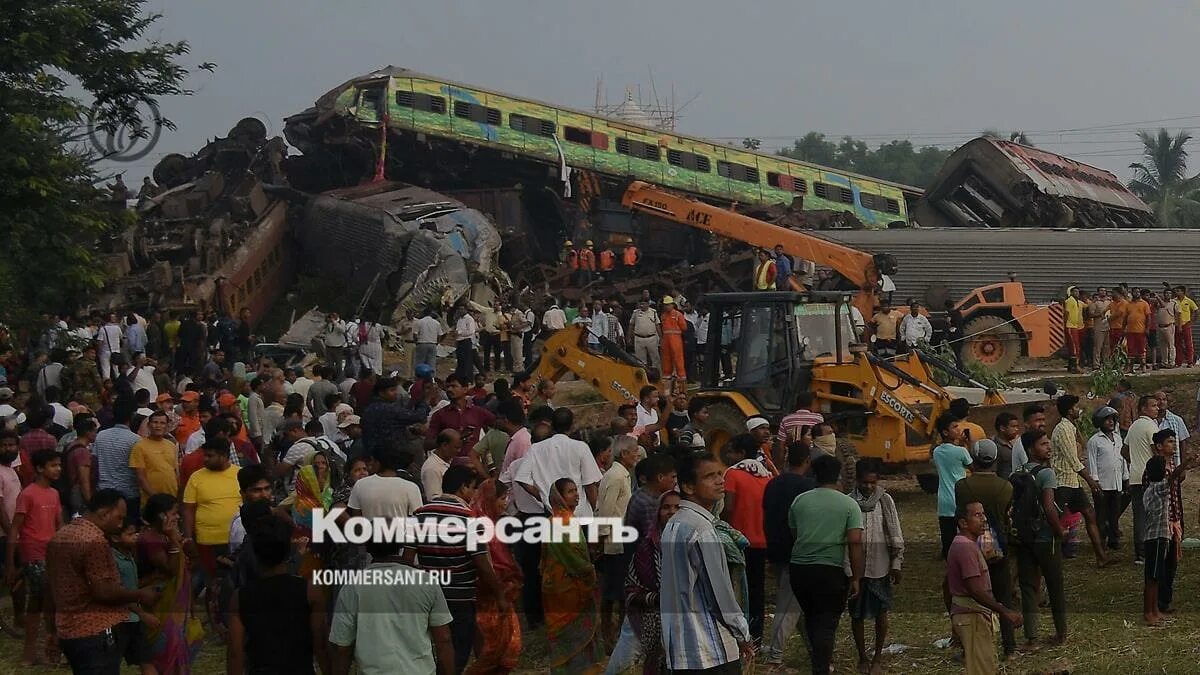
pixel 698 217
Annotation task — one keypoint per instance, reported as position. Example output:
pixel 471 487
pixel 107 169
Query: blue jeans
pixel 627 651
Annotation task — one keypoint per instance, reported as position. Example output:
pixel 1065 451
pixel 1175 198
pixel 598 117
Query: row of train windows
pixel 255 280
pixel 641 150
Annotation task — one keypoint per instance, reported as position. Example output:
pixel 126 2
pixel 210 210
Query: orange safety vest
pixel 573 259
pixel 607 259
pixel 587 259
pixel 630 255
pixel 764 276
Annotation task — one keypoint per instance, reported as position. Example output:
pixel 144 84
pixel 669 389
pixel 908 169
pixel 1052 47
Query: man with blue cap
pixel 1111 471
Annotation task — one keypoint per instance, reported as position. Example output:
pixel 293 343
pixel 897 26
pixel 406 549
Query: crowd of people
pixel 1153 329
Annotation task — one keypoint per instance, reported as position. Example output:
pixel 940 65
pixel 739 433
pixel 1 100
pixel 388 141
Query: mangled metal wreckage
pixel 221 231
pixel 399 246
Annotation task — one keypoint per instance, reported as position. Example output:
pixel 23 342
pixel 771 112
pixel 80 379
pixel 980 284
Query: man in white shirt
pixel 300 384
pixel 560 457
pixel 108 342
pixel 644 333
pixel 1108 467
pixel 1139 448
pixel 616 488
pixel 141 375
pixel 386 494
pixel 554 318
pixel 449 444
pixel 915 328
pixel 427 330
pixel 465 329
pixel 647 410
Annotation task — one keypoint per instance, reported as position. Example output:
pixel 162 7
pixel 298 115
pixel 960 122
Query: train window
pixel 821 190
pixel 847 195
pixel 893 206
pixel 531 125
pixel 740 172
pixel 868 201
pixel 477 113
pixel 689 160
pixel 638 149
pixel 423 102
pixel 580 136
pixel 786 182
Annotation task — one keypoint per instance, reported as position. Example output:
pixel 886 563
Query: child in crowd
pixel 137 650
pixel 37 516
pixel 1159 543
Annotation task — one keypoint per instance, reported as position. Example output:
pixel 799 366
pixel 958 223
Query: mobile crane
pixel 999 324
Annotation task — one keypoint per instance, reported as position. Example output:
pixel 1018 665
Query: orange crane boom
pixel 857 267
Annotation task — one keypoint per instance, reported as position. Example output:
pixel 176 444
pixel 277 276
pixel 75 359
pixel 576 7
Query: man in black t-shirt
pixel 777 501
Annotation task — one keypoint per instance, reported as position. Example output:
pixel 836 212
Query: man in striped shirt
pixel 467 562
pixel 703 628
pixel 791 425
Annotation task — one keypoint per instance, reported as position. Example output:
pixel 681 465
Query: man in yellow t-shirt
pixel 1073 318
pixel 155 459
pixel 211 499
pixel 1184 350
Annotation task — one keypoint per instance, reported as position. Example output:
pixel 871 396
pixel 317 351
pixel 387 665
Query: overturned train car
pixel 990 182
pixel 398 246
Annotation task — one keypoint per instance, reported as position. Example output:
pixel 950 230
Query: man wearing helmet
pixel 1105 464
pixel 674 324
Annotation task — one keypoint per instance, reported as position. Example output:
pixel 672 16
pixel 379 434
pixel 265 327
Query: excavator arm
pixel 858 267
pixel 617 375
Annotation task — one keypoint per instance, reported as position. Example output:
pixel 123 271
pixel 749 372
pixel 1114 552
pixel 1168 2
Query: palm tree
pixel 1161 180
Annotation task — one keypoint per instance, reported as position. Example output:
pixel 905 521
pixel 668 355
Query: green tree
pixel 897 160
pixel 1161 179
pixel 52 212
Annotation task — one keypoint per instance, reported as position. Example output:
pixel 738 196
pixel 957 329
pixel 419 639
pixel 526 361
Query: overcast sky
pixel 1079 77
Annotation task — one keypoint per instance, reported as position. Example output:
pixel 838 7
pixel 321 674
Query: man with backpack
pixel 1037 537
pixel 995 494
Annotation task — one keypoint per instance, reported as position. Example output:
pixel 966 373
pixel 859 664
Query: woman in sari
pixel 498 638
pixel 569 595
pixel 642 587
pixel 175 641
pixel 312 492
pixel 734 543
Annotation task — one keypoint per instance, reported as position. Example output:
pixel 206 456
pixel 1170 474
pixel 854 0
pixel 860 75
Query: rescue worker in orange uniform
pixel 764 272
pixel 587 263
pixel 629 257
pixel 673 326
pixel 608 259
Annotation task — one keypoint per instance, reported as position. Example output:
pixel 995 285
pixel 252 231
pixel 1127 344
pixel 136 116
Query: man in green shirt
pixel 389 628
pixel 827 526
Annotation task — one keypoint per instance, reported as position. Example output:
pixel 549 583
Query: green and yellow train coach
pixel 554 135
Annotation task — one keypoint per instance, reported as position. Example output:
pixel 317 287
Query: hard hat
pixel 424 370
pixel 588 242
pixel 668 300
pixel 568 243
pixel 628 240
pixel 1103 413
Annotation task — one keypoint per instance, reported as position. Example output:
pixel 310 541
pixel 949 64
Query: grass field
pixel 1104 615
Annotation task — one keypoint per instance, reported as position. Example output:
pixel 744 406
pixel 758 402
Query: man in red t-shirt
pixel 38 516
pixel 745 481
pixel 971 589
pixel 465 417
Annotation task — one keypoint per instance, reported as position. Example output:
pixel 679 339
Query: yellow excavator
pixel 763 349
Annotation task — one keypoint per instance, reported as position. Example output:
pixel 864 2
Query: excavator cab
pixel 761 350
